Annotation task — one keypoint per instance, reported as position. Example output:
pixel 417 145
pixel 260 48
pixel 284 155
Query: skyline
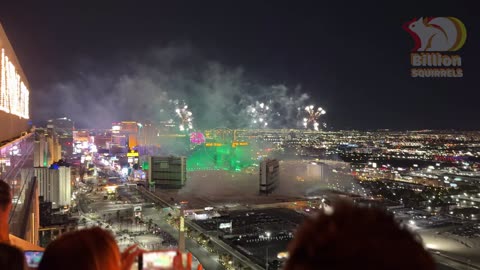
pixel 218 128
pixel 352 62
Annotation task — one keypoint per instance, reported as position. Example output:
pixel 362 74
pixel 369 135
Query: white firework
pixel 261 114
pixel 311 121
pixel 185 117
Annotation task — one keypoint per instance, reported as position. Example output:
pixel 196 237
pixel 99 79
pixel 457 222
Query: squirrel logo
pixel 437 34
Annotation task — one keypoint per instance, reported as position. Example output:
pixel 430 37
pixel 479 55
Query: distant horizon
pixel 299 128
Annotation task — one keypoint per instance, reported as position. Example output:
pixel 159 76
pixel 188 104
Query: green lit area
pixel 224 157
pixel 219 152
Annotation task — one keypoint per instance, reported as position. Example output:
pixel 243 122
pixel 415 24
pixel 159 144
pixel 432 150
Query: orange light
pixel 213 144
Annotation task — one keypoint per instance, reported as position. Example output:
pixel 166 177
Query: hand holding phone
pixel 33 258
pixel 164 260
pixel 129 255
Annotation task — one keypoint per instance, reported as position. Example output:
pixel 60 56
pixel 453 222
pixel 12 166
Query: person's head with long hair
pixel 351 237
pixel 11 258
pixel 89 249
pixel 5 196
pixel 5 207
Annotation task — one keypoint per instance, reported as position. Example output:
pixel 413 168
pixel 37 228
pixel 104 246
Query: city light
pixel 282 255
pixel 111 189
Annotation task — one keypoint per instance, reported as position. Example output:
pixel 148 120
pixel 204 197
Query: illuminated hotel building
pixel 148 134
pixel 269 175
pixel 130 130
pixel 167 172
pixel 17 146
pixel 62 129
pixel 125 135
pixel 54 184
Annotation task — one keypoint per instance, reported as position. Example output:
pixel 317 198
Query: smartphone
pixel 33 258
pixel 157 260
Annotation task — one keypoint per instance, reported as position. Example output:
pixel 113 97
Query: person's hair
pixel 5 195
pixel 350 237
pixel 11 258
pixel 92 249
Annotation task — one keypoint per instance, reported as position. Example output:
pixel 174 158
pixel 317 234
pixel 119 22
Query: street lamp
pixel 266 260
pixel 268 234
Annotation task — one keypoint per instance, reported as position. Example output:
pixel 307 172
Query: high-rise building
pixel 40 154
pixel 17 145
pixel 130 130
pixel 148 139
pixel 148 134
pixel 54 149
pixel 54 185
pixel 167 172
pixel 47 149
pixel 124 136
pixel 63 128
pixel 269 175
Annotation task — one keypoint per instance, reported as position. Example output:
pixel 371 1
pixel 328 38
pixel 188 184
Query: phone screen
pixel 158 260
pixel 33 258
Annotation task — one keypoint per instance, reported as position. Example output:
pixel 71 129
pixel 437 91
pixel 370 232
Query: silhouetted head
pixel 92 249
pixel 351 237
pixel 5 197
pixel 11 258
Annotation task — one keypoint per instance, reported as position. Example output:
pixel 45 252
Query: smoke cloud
pixel 298 179
pixel 140 87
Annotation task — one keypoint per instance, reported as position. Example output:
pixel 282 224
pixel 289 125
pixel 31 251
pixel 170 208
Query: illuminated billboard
pixel 132 154
pixel 235 144
pixel 116 127
pixel 14 94
pixel 213 144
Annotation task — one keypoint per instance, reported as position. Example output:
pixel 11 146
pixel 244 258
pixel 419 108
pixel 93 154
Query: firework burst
pixel 184 115
pixel 261 114
pixel 311 121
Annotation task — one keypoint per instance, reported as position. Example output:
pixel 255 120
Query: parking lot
pixel 258 234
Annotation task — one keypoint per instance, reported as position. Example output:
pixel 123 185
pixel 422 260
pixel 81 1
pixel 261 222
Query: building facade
pixel 269 175
pixel 167 172
pixel 54 185
pixel 40 150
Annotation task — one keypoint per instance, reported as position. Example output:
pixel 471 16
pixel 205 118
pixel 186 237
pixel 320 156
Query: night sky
pixel 352 59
